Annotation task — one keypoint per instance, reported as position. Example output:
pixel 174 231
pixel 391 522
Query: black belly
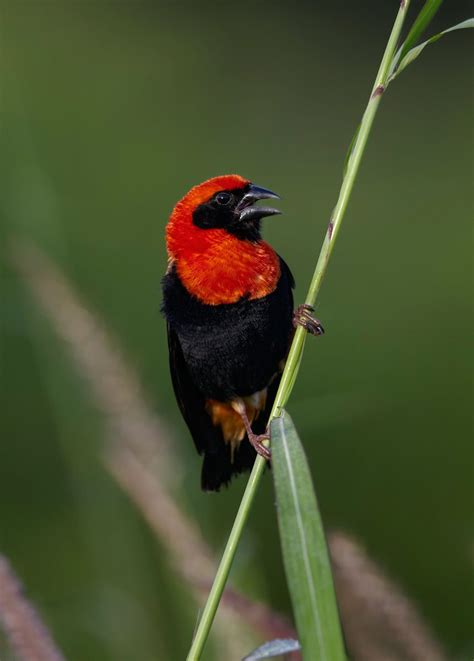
pixel 234 349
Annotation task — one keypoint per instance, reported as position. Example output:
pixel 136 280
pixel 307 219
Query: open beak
pixel 245 209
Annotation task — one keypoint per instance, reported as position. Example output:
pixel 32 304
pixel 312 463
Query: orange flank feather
pixel 226 416
pixel 215 266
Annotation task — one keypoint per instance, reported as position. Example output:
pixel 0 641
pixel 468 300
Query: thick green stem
pixel 294 356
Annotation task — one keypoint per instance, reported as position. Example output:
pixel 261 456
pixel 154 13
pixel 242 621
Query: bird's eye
pixel 223 198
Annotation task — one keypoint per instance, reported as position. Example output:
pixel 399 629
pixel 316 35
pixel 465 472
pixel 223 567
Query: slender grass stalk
pixel 294 356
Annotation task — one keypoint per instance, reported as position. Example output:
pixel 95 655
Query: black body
pixel 220 352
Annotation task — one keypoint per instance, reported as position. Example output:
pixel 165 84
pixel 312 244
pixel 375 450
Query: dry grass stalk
pixel 26 634
pixel 114 386
pixel 380 622
pixel 189 553
pixel 179 535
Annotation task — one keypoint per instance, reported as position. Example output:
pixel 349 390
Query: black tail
pixel 218 469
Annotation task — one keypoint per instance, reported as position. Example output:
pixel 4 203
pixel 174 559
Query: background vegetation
pixel 110 112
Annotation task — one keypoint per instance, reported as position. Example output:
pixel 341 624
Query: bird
pixel 228 305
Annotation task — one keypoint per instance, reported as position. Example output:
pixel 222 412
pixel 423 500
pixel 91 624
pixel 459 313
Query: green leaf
pixel 273 648
pixel 305 554
pixel 419 26
pixel 414 52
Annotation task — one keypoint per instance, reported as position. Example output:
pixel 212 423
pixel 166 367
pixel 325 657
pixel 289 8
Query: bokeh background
pixel 110 111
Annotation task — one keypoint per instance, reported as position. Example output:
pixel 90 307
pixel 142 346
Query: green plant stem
pixel 294 356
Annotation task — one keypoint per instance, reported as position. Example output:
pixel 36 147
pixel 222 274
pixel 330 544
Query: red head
pixel 213 239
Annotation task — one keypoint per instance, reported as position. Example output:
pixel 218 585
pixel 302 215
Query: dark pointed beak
pixel 246 211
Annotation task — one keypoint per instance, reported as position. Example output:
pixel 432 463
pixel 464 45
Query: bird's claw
pixel 257 441
pixel 302 317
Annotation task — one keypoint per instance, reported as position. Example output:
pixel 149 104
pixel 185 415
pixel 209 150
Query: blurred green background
pixel 111 111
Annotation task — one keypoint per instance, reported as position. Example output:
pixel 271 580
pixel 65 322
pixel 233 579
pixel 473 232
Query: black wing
pixel 218 466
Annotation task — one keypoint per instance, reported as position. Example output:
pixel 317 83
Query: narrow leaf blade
pixel 420 25
pixel 414 52
pixel 304 548
pixel 418 28
pixel 272 648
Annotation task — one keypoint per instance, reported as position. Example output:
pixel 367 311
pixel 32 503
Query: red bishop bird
pixel 228 302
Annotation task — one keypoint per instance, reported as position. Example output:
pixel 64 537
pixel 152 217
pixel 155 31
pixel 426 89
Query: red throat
pixel 214 265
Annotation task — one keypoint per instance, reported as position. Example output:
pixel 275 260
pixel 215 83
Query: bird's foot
pixel 302 317
pixel 257 441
